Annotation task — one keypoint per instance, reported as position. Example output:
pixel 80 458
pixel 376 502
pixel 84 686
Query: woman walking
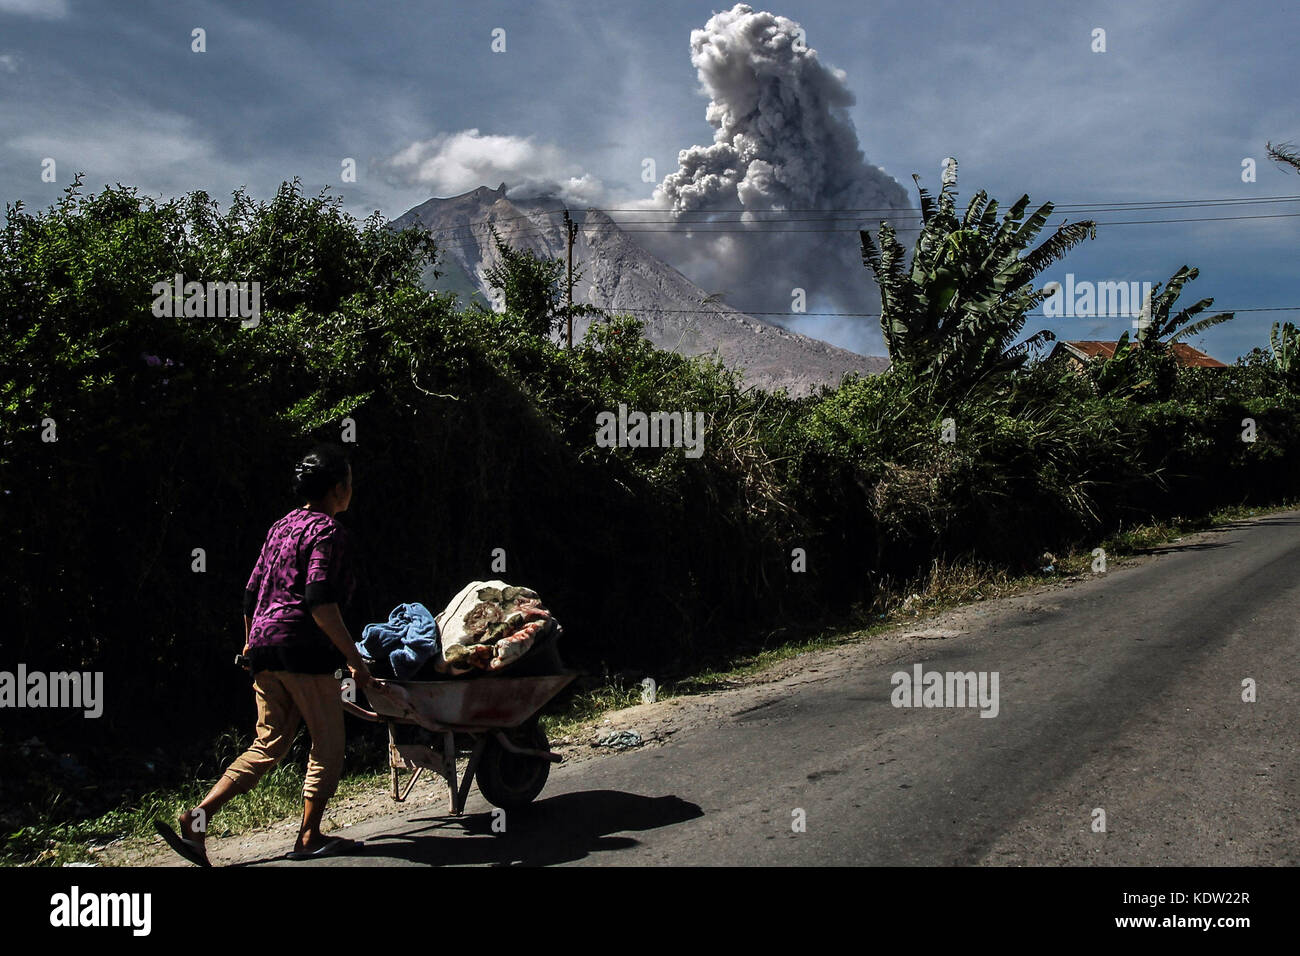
pixel 295 640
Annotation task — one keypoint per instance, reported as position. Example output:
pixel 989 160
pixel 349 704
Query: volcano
pixel 620 276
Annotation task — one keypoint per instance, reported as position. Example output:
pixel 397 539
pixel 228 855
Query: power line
pixel 692 227
pixel 675 219
pixel 709 228
pixel 1099 205
pixel 876 315
pixel 1072 207
pixel 833 215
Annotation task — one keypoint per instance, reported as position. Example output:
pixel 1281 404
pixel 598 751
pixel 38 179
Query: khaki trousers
pixel 284 700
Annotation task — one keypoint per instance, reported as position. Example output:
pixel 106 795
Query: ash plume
pixel 784 143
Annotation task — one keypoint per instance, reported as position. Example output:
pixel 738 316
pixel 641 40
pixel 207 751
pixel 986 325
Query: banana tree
pixel 1143 365
pixel 1284 340
pixel 1284 154
pixel 1159 327
pixel 951 317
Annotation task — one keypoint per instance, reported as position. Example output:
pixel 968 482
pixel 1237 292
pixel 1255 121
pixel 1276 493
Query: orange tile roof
pixel 1185 354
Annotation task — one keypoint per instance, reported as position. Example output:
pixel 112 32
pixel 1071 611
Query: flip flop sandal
pixel 331 847
pixel 189 849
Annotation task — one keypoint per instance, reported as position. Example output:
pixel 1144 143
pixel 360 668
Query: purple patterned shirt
pixel 305 561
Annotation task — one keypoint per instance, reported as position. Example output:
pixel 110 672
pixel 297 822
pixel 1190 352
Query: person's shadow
pixel 558 829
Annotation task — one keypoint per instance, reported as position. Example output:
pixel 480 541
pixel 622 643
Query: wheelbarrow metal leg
pixel 468 780
pixel 449 770
pixel 393 761
pixel 409 784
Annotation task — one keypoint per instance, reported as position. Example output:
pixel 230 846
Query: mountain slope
pixel 618 275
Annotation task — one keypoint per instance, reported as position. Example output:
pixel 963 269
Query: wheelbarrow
pixel 493 718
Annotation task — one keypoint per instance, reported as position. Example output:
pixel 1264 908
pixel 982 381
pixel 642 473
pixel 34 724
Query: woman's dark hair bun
pixel 320 470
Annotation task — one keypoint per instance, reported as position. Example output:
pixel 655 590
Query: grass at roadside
pixel 278 796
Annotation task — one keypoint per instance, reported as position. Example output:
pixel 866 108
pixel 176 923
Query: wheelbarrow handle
pixel 361 712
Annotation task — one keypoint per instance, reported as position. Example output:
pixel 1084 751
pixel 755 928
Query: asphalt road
pixel 1121 693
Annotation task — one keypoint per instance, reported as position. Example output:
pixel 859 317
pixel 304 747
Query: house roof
pixel 1090 349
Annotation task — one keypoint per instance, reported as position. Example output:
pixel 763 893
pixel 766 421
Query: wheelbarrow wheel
pixel 512 781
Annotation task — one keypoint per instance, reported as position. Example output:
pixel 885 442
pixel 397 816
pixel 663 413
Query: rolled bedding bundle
pixel 490 624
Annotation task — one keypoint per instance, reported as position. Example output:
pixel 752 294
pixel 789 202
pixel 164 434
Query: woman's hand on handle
pixel 360 673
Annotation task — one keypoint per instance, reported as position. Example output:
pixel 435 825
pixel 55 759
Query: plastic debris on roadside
pixel 620 740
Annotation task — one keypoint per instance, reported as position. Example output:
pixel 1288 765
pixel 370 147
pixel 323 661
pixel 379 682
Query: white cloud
pixel 46 9
pixel 449 164
pixel 8 63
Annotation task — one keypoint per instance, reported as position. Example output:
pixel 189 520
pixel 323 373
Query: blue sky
pixel 1182 94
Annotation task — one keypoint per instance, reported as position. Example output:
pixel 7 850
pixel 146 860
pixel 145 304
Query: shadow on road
pixel 1283 520
pixel 560 829
pixel 1175 548
pixel 1288 520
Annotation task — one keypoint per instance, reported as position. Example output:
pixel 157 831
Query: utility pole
pixel 570 230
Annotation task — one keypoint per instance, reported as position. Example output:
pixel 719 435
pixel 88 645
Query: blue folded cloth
pixel 407 640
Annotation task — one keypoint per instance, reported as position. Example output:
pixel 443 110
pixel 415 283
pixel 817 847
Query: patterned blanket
pixel 490 624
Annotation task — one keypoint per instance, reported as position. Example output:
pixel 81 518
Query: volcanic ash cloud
pixel 783 142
